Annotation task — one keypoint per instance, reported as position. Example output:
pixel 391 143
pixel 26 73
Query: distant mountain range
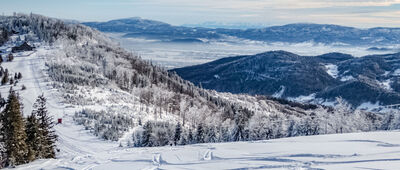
pixel 292 33
pixel 374 78
pixel 235 25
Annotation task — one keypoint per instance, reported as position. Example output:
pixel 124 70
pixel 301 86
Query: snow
pixel 386 73
pixel 369 106
pixel 396 72
pixel 30 64
pixel 81 150
pixel 386 84
pixel 332 70
pixel 375 150
pixel 279 93
pixel 347 78
pixel 303 99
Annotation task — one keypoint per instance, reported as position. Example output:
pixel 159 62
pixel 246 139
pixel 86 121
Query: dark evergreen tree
pixel 1 71
pixel 200 133
pixel 34 138
pixel 190 138
pixel 14 132
pixel 178 132
pixel 19 76
pixel 2 101
pixel 183 139
pixel 211 135
pixel 4 80
pixel 10 57
pixel 146 138
pixel 224 135
pixel 241 118
pixel 3 154
pixel 46 125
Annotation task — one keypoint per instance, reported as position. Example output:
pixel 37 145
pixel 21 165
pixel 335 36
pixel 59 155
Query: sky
pixel 357 13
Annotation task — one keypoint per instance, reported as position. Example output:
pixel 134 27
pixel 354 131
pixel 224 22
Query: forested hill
pixel 291 33
pixel 115 94
pixel 368 79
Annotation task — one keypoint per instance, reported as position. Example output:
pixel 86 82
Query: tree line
pixel 24 140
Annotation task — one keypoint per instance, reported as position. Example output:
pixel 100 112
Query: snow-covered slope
pixel 370 78
pixel 373 150
pixel 76 69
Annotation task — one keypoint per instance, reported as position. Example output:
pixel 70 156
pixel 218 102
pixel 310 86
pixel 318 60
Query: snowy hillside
pixel 108 97
pixel 370 79
pixel 373 150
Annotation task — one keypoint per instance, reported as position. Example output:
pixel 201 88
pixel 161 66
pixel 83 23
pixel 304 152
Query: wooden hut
pixel 23 47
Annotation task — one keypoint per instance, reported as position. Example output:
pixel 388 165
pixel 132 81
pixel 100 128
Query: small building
pixel 59 121
pixel 23 47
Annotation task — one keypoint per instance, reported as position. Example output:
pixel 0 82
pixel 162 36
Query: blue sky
pixel 359 13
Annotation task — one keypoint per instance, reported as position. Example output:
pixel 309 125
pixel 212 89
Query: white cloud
pixel 276 4
pixel 359 13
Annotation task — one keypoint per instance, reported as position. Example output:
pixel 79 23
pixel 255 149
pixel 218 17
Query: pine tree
pixel 5 78
pixel 211 135
pixel 2 102
pixel 19 76
pixel 11 81
pixel 34 138
pixel 200 133
pixel 14 132
pixel 183 139
pixel 3 154
pixel 178 132
pixel 10 57
pixel 190 138
pixel 46 125
pixel 146 138
pixel 240 119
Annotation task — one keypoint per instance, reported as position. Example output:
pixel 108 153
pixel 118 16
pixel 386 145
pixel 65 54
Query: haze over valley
pixel 157 41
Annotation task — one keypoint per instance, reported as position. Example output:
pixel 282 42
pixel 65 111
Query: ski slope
pixel 81 150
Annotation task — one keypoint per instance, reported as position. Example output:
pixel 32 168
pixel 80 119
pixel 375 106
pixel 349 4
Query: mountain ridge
pixel 328 76
pixel 291 33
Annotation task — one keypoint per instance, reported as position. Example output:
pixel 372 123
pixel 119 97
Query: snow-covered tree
pixel 34 138
pixel 199 137
pixel 14 132
pixel 47 144
pixel 178 133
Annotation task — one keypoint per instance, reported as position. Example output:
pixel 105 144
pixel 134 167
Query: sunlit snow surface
pixel 374 150
pixel 173 55
pixel 332 70
pixel 81 150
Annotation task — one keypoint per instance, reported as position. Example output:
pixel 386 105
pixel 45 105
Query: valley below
pixel 174 55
